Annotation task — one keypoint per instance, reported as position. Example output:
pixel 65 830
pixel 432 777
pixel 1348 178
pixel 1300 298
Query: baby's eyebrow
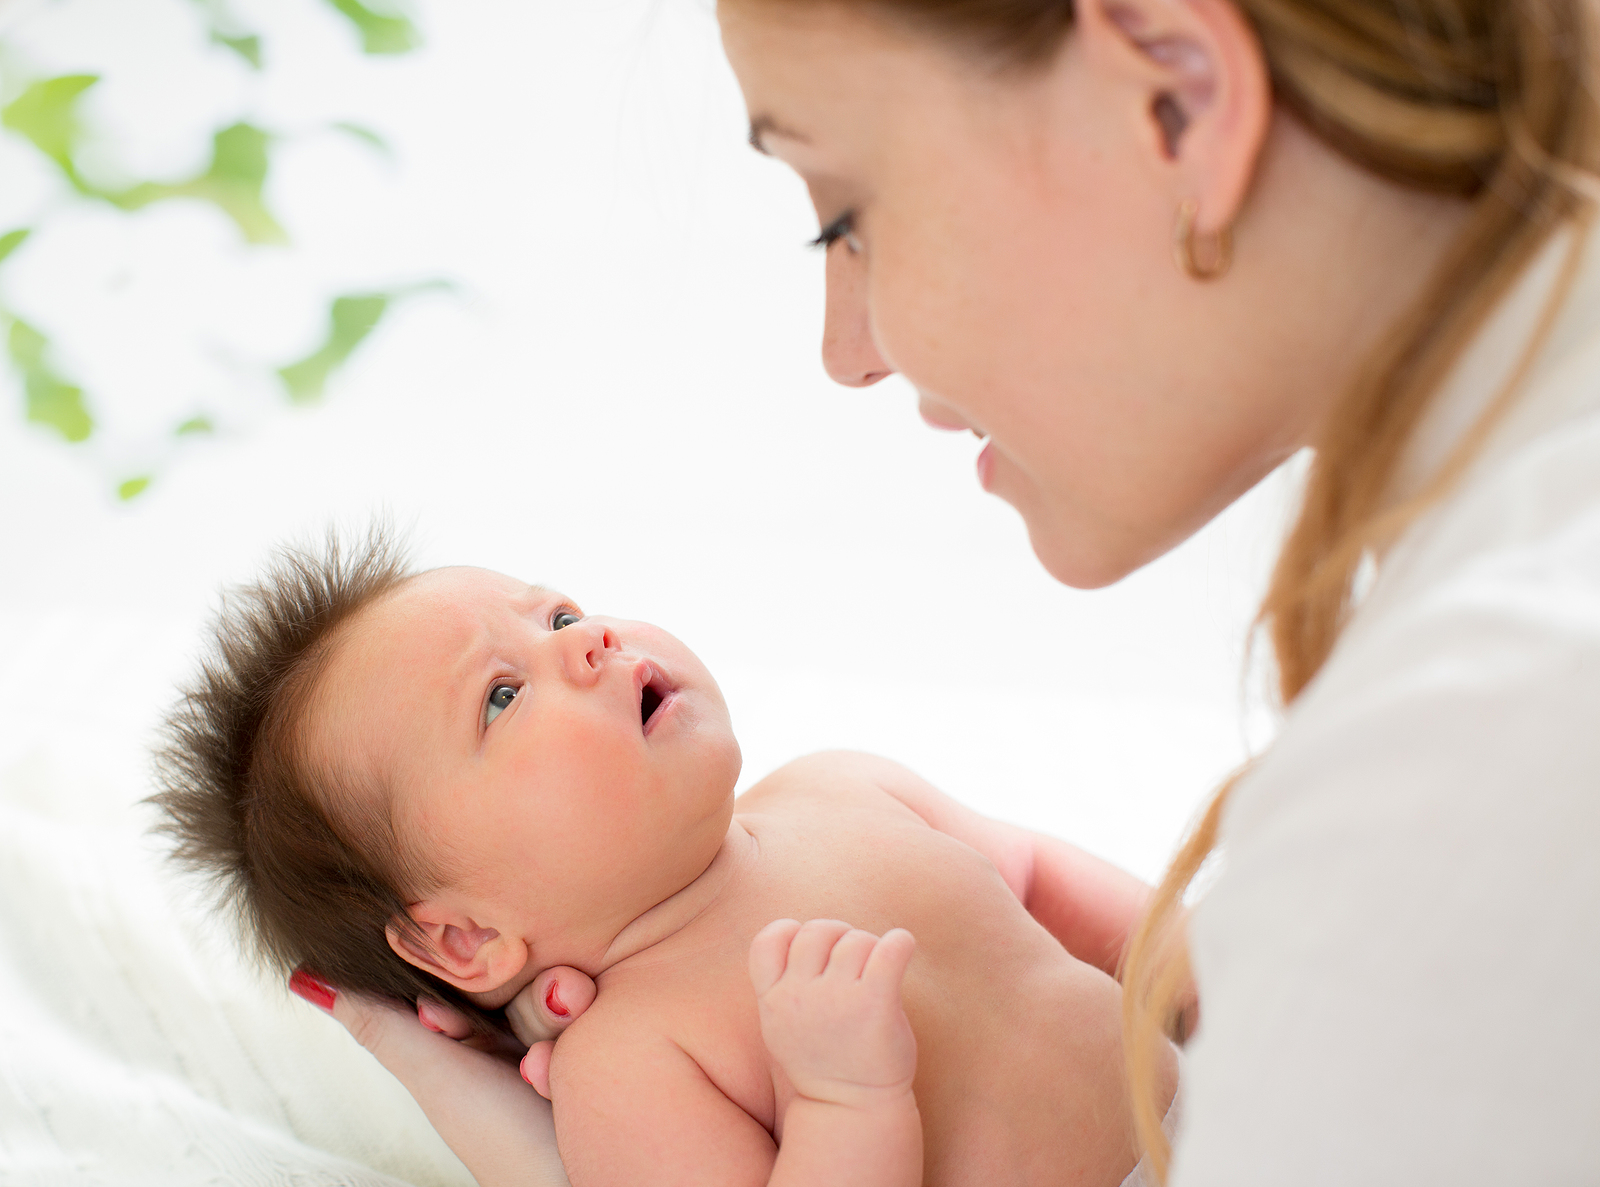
pixel 534 593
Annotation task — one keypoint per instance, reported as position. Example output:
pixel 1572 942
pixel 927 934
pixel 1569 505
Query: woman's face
pixel 1009 251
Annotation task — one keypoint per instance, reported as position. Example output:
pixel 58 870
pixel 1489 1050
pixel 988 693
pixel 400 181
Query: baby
pixel 443 785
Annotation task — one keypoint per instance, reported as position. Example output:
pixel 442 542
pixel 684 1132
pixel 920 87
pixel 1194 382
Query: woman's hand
pixel 470 1087
pixel 544 1008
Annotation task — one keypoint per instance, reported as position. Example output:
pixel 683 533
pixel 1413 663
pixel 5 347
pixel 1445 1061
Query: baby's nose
pixel 586 646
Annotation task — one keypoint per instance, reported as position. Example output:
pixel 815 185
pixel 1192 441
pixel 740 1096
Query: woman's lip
pixel 986 465
pixel 949 426
pixel 938 416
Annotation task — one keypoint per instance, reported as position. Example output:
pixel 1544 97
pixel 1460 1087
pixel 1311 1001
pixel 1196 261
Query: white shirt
pixel 1399 963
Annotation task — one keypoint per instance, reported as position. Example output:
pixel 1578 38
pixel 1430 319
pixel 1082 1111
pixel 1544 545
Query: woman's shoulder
pixel 1470 674
pixel 1397 957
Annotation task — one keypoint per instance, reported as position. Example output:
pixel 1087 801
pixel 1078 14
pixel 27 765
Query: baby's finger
pixel 887 964
pixel 808 954
pixel 442 1019
pixel 769 953
pixel 849 955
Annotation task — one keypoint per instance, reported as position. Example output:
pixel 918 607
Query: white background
pixel 623 399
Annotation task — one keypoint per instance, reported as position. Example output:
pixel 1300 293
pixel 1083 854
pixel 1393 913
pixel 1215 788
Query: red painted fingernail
pixel 314 989
pixel 425 1016
pixel 553 1003
pixel 522 1069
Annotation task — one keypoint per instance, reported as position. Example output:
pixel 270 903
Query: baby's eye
pixel 564 618
pixel 500 697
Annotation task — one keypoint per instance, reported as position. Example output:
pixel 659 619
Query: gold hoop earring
pixel 1183 246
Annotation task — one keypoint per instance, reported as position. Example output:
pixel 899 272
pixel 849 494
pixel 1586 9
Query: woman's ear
pixel 1197 89
pixel 456 949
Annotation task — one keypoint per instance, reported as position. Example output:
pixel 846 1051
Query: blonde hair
pixel 1487 99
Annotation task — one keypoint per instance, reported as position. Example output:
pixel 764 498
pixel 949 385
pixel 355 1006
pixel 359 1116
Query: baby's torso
pixel 1002 1014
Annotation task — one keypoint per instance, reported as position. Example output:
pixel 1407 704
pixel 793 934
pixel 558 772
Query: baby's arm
pixel 832 1018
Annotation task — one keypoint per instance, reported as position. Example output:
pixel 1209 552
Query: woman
pixel 1151 248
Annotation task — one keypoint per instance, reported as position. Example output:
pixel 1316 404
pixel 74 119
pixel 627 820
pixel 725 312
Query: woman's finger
pixel 553 1001
pixel 535 1067
pixel 443 1019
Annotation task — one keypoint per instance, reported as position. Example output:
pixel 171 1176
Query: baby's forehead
pixel 457 592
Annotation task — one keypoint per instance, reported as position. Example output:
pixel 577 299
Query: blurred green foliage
pixel 232 182
pixel 381 33
pixel 349 322
pixel 46 114
pixel 51 399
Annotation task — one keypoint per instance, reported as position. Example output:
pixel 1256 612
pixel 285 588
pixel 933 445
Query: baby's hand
pixel 830 1008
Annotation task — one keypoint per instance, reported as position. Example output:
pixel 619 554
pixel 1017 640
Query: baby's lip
pixel 652 689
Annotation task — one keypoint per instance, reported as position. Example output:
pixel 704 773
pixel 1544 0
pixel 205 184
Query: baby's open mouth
pixel 649 702
pixel 653 691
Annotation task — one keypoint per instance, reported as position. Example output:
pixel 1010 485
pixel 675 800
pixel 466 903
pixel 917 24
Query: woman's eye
pixel 500 698
pixel 843 227
pixel 564 618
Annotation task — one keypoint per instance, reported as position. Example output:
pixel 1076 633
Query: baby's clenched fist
pixel 831 1012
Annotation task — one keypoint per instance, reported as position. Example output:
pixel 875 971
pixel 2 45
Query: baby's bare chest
pixel 991 997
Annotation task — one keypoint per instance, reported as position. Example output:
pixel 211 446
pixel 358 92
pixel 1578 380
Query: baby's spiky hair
pixel 313 878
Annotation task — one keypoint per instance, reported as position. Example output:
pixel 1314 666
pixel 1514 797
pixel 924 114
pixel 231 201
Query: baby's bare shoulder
pixel 862 781
pixel 632 1105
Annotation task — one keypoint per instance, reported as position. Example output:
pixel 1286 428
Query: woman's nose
pixel 585 647
pixel 848 353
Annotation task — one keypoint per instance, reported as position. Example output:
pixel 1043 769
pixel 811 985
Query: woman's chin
pixel 1079 556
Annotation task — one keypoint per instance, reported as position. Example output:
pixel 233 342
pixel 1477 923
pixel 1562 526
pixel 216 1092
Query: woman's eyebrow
pixel 765 125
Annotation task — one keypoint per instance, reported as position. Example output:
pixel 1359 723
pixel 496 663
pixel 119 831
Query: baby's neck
pixel 668 918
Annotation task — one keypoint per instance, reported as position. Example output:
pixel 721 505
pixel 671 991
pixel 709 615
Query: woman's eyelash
pixel 838 229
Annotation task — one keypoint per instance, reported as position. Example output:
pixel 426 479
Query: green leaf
pixel 133 488
pixel 381 33
pixel 227 30
pixel 195 424
pixel 46 113
pixel 364 134
pixel 11 240
pixel 233 183
pixel 52 401
pixel 350 320
pixel 247 47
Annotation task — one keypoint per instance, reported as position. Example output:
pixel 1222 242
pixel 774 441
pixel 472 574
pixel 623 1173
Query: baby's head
pixel 436 783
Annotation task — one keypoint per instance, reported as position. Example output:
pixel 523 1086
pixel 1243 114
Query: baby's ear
pixel 456 948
